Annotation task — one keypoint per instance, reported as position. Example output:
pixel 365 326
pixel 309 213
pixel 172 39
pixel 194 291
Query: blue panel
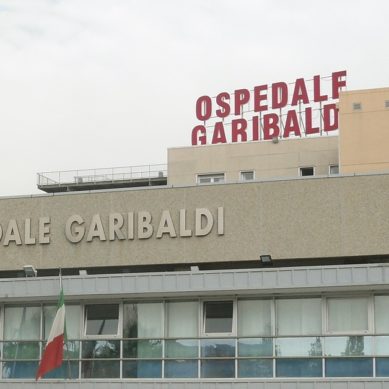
pixel 248 368
pixel 298 367
pixel 218 368
pixel 181 369
pixel 142 369
pixel 13 369
pixel 382 367
pixel 68 370
pixel 349 367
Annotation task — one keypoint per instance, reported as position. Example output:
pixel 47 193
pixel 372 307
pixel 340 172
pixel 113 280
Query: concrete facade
pixel 296 218
pixel 364 134
pixel 266 159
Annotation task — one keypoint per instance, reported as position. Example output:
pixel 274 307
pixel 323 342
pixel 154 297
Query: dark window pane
pixel 349 367
pixel 68 370
pixel 181 369
pixel 101 349
pixel 218 368
pixel 217 347
pixel 298 367
pixel 100 369
pixel 71 349
pixel 151 348
pixel 21 350
pixel 255 368
pixel 218 316
pixel 260 347
pixel 181 348
pixel 142 369
pixel 382 367
pixel 102 319
pixel 20 369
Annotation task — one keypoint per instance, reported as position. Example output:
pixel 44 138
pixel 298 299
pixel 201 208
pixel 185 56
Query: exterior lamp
pixel 266 260
pixel 30 271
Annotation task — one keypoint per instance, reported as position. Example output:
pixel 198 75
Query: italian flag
pixel 53 355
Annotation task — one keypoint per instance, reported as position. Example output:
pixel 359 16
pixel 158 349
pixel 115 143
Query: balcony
pixel 103 178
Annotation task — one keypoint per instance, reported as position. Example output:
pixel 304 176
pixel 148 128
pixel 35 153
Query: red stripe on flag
pixel 52 356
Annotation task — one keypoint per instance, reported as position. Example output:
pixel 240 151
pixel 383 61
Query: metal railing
pixel 100 175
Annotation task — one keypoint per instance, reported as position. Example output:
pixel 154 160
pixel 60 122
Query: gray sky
pixel 105 83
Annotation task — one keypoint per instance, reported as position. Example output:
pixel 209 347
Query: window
pixel 218 317
pixel 307 171
pixel 182 319
pixel 298 316
pixel 247 175
pixel 254 318
pixel 214 178
pixel 386 103
pixel 357 106
pixel 334 170
pixel 101 319
pixel 381 304
pixel 348 315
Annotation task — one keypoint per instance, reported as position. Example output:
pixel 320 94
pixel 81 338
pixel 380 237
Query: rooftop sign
pixel 279 110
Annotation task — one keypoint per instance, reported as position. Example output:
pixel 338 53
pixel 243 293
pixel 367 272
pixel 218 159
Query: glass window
pixel 307 171
pixel 298 316
pixel 20 369
pixel 349 367
pixel 22 323
pixel 102 319
pixel 100 369
pixel 142 369
pixel 213 178
pixel 181 369
pixel 217 368
pixel 298 367
pixel 347 314
pixel 298 347
pixel 255 347
pixel 146 348
pixel 250 368
pixel 247 175
pixel 181 348
pixel 334 170
pixel 72 318
pixel 381 304
pixel 218 316
pixel 254 318
pixel 218 348
pixel 348 346
pixel 382 367
pixel 103 349
pixel 143 320
pixel 182 319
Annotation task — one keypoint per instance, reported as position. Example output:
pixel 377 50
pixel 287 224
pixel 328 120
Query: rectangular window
pixel 386 103
pixel 182 319
pixel 357 106
pixel 334 170
pixel 298 316
pixel 218 317
pixel 381 304
pixel 101 319
pixel 247 175
pixel 254 318
pixel 306 171
pixel 143 320
pixel 347 315
pixel 214 178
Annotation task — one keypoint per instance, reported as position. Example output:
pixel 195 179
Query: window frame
pixel 246 171
pixel 205 334
pixel 329 169
pixel 119 332
pixel 212 176
pixel 370 316
pixel 307 167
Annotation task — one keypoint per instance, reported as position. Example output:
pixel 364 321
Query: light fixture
pixel 266 260
pixel 30 271
pixel 82 272
pixel 194 268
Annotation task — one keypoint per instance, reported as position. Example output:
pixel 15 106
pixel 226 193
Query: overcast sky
pixel 105 83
